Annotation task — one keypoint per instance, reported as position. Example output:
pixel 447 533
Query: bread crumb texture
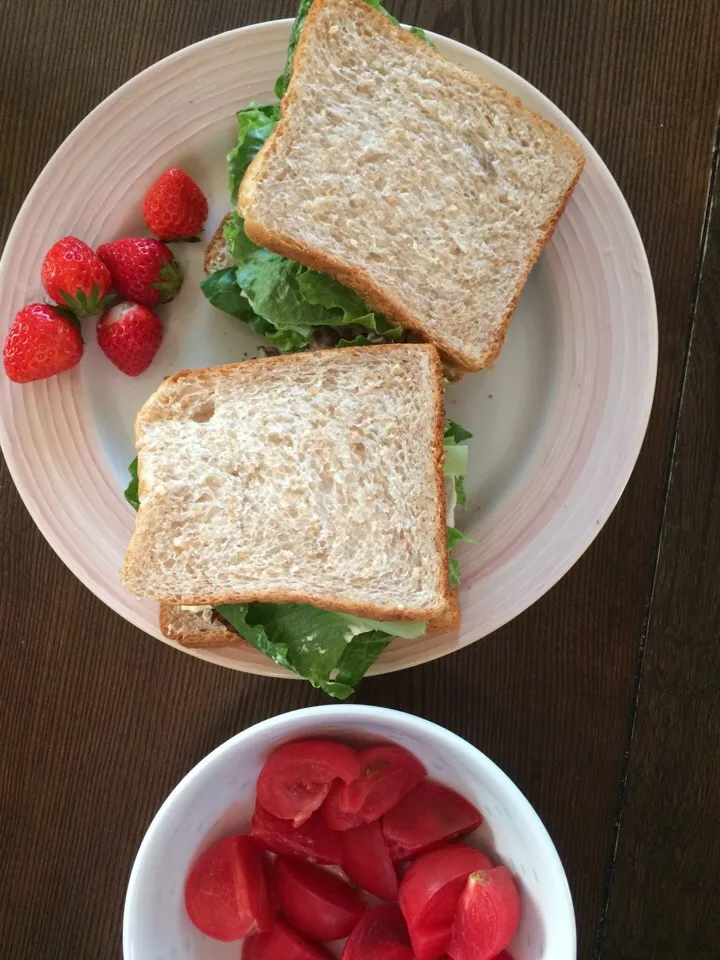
pixel 314 477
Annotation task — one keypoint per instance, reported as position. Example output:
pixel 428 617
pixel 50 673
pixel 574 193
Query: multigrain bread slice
pixel 217 252
pixel 311 478
pixel 423 187
pixel 202 627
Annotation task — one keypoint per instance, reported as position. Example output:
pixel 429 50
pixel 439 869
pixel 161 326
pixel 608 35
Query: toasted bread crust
pixel 368 610
pixel 353 275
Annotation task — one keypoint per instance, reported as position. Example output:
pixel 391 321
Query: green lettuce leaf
pixel 359 657
pixel 421 35
pixel 456 461
pixel 255 126
pixel 456 457
pixel 454 537
pixel 289 304
pixel 331 650
pixel 347 308
pixel 131 491
pixel 455 433
pixel 460 494
pixel 322 290
pixel 223 291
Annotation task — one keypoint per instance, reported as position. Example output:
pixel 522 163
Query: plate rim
pixel 645 390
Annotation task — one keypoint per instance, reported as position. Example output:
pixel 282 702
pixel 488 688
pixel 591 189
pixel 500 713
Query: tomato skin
pixel 319 904
pixel 387 774
pixel 281 943
pixel 313 839
pixel 428 816
pixel 366 860
pixel 297 777
pixel 226 893
pixel 429 895
pixel 380 935
pixel 487 916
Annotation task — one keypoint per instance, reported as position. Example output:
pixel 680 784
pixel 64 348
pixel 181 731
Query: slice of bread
pixel 416 183
pixel 217 252
pixel 311 478
pixel 202 627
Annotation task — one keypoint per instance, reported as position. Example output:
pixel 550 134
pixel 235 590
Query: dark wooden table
pixel 602 702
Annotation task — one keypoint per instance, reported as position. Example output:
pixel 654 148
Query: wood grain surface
pixel 99 722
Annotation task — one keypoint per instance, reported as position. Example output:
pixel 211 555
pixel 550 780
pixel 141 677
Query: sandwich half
pixel 314 479
pixel 422 187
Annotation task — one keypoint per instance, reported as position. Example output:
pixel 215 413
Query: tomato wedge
pixel 281 943
pixel 226 892
pixel 427 817
pixel 429 895
pixel 380 935
pixel 316 902
pixel 387 774
pixel 487 916
pixel 297 777
pixel 313 839
pixel 366 860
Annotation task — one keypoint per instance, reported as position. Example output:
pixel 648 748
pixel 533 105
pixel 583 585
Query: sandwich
pixel 304 503
pixel 391 196
pixel 299 503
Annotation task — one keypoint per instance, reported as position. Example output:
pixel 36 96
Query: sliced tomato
pixel 488 914
pixel 316 902
pixel 313 839
pixel 380 935
pixel 226 892
pixel 281 943
pixel 366 860
pixel 429 895
pixel 387 774
pixel 427 817
pixel 297 777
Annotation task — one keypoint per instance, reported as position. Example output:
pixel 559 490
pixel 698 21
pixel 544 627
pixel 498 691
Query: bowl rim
pixel 564 934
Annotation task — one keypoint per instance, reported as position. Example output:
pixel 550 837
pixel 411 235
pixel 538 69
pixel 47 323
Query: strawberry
pixel 175 207
pixel 143 269
pixel 41 342
pixel 74 276
pixel 129 335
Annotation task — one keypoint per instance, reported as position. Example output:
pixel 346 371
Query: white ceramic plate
pixel 557 424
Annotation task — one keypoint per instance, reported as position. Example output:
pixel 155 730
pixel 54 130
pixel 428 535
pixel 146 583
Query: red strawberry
pixel 129 335
pixel 41 343
pixel 143 269
pixel 175 207
pixel 74 276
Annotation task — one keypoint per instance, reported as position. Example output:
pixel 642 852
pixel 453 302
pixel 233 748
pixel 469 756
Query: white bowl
pixel 216 799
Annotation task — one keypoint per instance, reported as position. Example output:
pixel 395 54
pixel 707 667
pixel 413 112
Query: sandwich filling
pixel 334 650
